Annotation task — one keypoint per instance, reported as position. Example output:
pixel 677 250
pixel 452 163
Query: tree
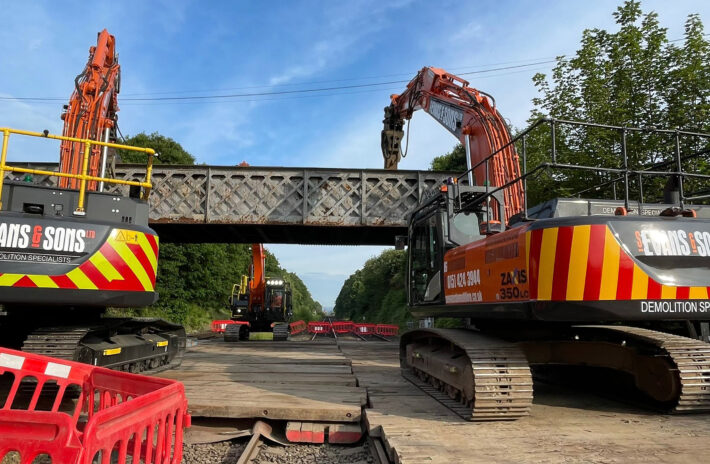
pixel 376 292
pixel 454 161
pixel 169 151
pixel 631 77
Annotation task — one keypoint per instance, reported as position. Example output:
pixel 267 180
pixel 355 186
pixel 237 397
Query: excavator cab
pixel 455 216
pixel 425 259
pixel 278 299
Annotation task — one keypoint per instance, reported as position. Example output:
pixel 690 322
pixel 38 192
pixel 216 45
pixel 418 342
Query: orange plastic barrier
pixel 297 327
pixel 365 329
pixel 387 330
pixel 319 327
pixel 343 327
pixel 221 326
pixel 76 413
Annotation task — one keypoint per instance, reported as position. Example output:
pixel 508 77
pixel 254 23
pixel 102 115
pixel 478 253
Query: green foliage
pixel 454 161
pixel 376 292
pixel 631 77
pixel 195 282
pixel 169 151
pixel 198 274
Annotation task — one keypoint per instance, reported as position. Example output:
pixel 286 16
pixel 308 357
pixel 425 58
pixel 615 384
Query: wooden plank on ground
pixel 265 358
pixel 283 381
pixel 252 391
pixel 324 379
pixel 268 368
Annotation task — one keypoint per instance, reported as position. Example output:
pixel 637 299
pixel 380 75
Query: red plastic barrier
pixel 297 327
pixel 221 326
pixel 343 327
pixel 320 327
pixel 387 330
pixel 78 414
pixel 365 329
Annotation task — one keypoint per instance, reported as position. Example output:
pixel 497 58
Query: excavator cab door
pixel 425 260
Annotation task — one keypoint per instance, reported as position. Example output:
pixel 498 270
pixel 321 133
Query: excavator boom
pixel 91 112
pixel 257 284
pixel 471 116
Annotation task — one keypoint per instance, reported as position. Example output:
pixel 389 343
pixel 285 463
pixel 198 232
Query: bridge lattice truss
pixel 265 197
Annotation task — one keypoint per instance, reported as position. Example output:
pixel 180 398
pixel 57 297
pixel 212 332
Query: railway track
pixel 267 445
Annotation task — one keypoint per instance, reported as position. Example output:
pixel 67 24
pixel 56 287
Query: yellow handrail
pixel 83 177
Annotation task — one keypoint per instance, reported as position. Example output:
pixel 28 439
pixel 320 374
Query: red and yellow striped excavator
pixel 613 285
pixel 71 248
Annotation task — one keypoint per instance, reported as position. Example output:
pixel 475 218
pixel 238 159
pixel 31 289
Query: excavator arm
pixel 470 115
pixel 91 112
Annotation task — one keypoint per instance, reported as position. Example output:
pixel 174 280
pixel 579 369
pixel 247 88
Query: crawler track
pixel 59 343
pixel 280 332
pixel 484 378
pixel 80 343
pixel 690 357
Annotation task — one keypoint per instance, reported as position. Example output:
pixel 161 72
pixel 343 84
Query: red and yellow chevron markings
pixel 587 263
pixel 127 261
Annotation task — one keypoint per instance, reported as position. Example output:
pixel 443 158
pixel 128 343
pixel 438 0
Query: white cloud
pixel 343 37
pixel 217 132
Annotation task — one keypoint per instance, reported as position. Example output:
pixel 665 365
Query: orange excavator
pixel 613 286
pixel 261 306
pixel 69 252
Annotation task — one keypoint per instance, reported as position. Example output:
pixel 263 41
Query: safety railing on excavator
pixel 623 174
pixel 83 177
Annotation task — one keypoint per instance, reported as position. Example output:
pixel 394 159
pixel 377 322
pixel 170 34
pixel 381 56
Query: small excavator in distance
pixel 262 306
pixel 573 283
pixel 70 251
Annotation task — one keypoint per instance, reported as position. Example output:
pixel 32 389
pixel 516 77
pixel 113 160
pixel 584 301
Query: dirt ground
pixel 570 426
pixel 566 424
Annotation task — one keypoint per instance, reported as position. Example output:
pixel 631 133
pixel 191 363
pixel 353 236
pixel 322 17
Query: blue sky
pixel 180 48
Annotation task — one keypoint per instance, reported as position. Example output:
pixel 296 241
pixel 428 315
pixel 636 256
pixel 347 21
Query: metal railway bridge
pixel 280 205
